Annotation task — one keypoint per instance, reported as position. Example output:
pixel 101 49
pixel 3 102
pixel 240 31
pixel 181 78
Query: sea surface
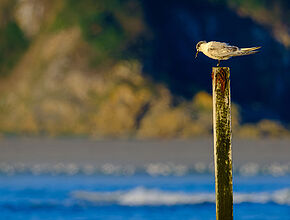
pixel 139 196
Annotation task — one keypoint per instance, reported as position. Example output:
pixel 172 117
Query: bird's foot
pixel 218 63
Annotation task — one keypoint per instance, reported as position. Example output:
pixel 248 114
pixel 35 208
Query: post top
pixel 221 67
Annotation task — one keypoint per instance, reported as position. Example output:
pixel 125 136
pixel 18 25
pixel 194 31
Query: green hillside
pixel 73 67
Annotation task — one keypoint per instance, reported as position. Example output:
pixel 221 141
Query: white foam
pixel 141 197
pixel 165 169
pixel 152 169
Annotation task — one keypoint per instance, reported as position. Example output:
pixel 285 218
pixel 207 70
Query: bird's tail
pixel 250 48
pixel 246 51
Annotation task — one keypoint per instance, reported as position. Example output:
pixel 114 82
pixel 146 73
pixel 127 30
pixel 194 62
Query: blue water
pixel 139 197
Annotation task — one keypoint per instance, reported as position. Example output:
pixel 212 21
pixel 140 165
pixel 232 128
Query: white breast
pixel 207 52
pixel 204 49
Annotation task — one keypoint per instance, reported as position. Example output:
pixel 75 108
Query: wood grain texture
pixel 222 142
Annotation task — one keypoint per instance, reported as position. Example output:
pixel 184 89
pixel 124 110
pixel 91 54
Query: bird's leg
pixel 218 63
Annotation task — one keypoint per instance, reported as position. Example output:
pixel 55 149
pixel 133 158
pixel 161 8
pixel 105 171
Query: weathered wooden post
pixel 222 142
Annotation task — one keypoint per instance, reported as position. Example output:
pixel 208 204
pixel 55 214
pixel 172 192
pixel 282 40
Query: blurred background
pixel 105 113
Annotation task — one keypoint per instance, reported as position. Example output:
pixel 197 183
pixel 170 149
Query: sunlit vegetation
pixel 108 26
pixel 82 75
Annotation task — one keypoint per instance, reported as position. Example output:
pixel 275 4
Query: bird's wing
pixel 250 48
pixel 220 49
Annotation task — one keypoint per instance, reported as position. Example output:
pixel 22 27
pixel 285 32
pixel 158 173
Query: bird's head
pixel 198 46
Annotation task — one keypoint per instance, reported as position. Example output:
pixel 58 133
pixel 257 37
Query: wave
pixel 141 196
pixel 152 169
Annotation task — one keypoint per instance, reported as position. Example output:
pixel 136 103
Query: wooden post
pixel 222 142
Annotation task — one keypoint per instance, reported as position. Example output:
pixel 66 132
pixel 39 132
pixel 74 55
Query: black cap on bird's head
pixel 198 46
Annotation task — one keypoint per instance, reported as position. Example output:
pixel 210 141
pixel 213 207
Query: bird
pixel 222 51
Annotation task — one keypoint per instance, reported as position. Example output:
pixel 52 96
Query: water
pixel 139 196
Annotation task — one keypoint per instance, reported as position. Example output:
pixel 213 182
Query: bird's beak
pixel 196 54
